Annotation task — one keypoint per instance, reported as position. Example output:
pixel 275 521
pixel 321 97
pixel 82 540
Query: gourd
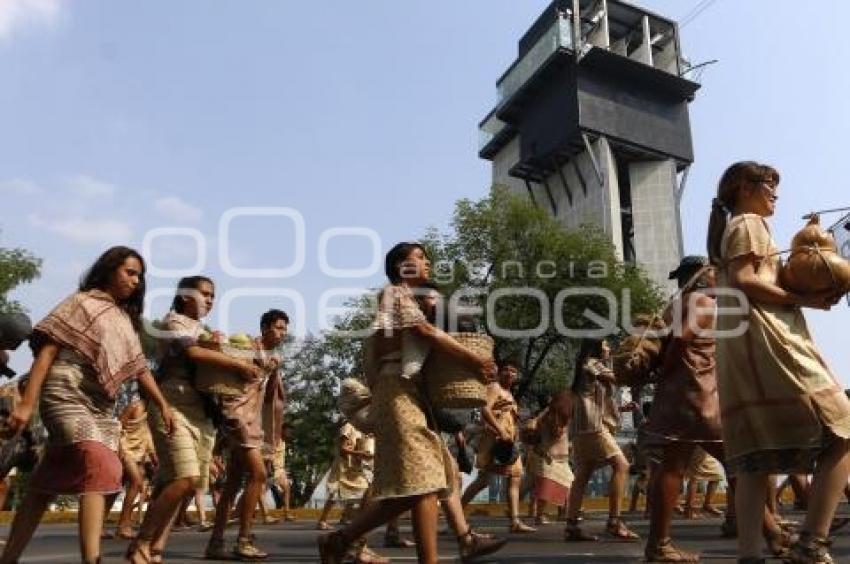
pixel 814 264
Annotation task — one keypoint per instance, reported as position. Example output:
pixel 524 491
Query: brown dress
pixel 686 407
pixel 243 413
pixel 780 402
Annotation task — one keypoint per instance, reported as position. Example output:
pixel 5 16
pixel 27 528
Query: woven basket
pixel 214 380
pixel 354 402
pixel 452 384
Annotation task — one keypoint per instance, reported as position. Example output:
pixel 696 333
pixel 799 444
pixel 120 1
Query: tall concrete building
pixel 592 123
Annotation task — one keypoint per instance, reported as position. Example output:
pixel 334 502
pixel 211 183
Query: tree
pixel 17 266
pixel 504 244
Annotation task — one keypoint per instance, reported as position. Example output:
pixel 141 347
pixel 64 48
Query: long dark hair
pixel 590 348
pixel 178 304
pixel 736 176
pixel 396 256
pixel 99 277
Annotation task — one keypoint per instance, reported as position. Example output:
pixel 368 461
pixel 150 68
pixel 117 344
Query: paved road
pixel 295 543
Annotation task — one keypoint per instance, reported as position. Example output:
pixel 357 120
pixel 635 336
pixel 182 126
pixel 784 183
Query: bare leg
pixel 750 498
pixel 24 525
pixel 482 480
pixel 691 497
pixel 617 486
pixel 161 512
pixel 252 463
pixel 582 476
pixel 135 484
pixel 708 500
pixel 228 494
pixel 425 515
pixel 92 508
pixel 199 506
pixel 828 483
pixel 517 526
pixel 664 491
pixel 326 511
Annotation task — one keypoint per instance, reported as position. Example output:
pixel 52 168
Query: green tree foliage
pixel 505 242
pixel 17 266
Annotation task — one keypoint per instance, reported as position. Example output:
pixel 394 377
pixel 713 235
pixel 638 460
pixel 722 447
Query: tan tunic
pixel 186 452
pixel 506 412
pixel 779 401
pixel 686 406
pixel 596 417
pixel 347 480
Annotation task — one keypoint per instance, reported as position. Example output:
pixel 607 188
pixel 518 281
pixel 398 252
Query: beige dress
pixel 409 456
pixel 780 404
pixel 187 451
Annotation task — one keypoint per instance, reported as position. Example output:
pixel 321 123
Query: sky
pixel 171 126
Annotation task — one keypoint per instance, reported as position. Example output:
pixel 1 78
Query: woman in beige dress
pixel 500 416
pixel 410 473
pixel 184 453
pixel 84 350
pixel 596 419
pixel 783 411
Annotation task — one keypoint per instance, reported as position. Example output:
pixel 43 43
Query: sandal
pixel 246 551
pixel 136 554
pixel 520 528
pixel 323 526
pixel 573 533
pixel 126 534
pixel 215 549
pixel 664 551
pixel 156 556
pixel 711 510
pixel 809 549
pixel 332 548
pixel 365 555
pixel 617 529
pixel 778 542
pixel 393 539
pixel 473 546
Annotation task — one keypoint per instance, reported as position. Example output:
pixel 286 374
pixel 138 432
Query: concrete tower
pixel 592 123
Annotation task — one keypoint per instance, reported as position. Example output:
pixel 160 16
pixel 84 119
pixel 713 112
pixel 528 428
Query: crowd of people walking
pixel 208 413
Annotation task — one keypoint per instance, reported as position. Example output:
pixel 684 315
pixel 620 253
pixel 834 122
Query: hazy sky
pixel 122 117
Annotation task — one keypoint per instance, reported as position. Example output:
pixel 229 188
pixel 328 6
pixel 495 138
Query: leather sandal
pixel 617 529
pixel 332 548
pixel 246 551
pixel 778 542
pixel 664 551
pixel 520 528
pixel 137 554
pixel 809 549
pixel 473 546
pixel 393 539
pixel 215 549
pixel 573 533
